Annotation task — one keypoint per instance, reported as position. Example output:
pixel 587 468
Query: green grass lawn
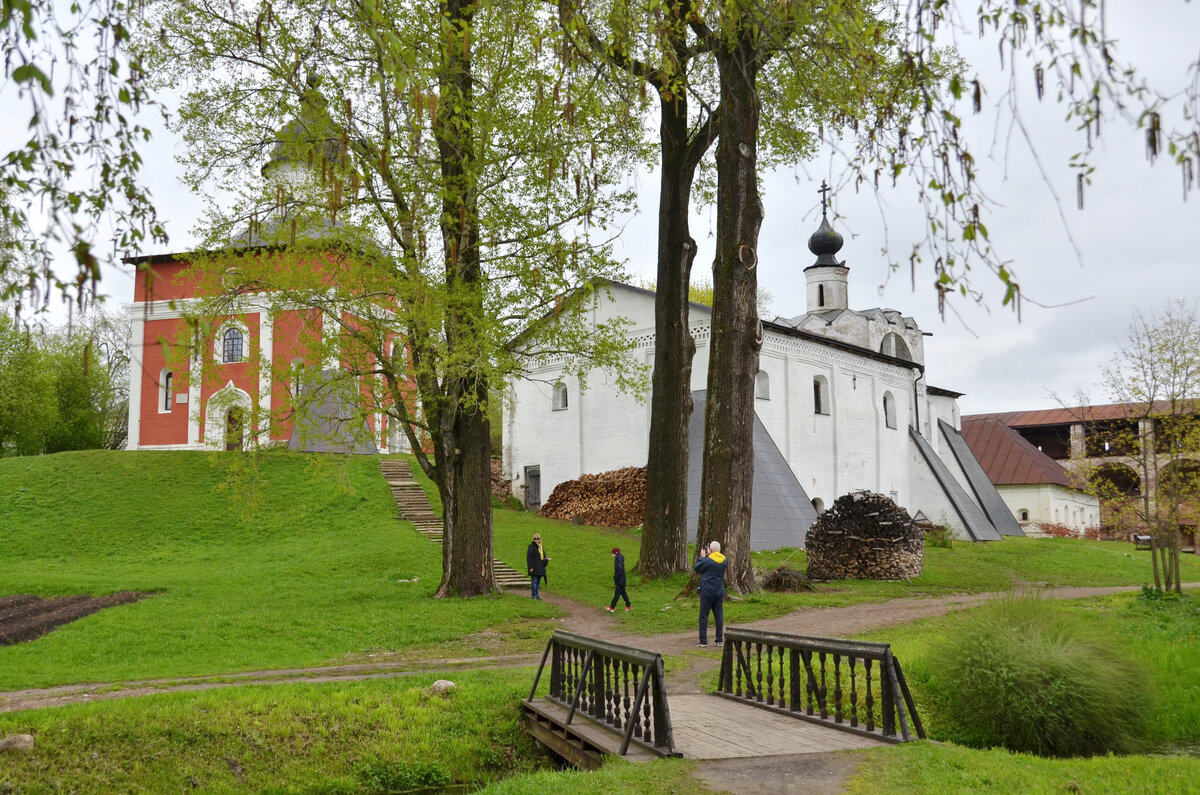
pixel 281 560
pixel 298 564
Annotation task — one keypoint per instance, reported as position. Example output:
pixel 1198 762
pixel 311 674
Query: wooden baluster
pixel 853 693
pixel 615 693
pixel 758 696
pixel 824 689
pixel 556 663
pixel 837 688
pixel 809 684
pixel 637 724
pixel 737 668
pixel 794 679
pixel 625 700
pixel 870 698
pixel 647 723
pixel 770 674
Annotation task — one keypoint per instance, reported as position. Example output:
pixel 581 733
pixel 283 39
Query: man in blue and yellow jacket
pixel 711 568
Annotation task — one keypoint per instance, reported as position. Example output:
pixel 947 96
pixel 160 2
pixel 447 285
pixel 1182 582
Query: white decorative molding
pixel 137 354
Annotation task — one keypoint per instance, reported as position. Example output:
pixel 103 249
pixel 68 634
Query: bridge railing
pixel 618 686
pixel 851 685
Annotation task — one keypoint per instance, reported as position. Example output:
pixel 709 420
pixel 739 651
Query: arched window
pixel 165 390
pixel 820 395
pixel 297 377
pixel 560 397
pixel 1024 514
pixel 894 345
pixel 818 505
pixel 820 295
pixel 232 345
pixel 762 386
pixel 889 410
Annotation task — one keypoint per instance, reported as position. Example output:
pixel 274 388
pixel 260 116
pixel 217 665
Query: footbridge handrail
pixel 856 686
pixel 619 686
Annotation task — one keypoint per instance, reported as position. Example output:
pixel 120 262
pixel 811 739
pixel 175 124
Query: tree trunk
pixel 664 528
pixel 463 449
pixel 728 479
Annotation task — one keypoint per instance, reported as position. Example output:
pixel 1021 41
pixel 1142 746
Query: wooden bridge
pixel 777 694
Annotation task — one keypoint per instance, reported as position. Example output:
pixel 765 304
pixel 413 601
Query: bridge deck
pixel 711 727
pixel 704 727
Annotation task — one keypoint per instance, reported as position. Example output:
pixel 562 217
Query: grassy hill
pixel 292 561
pixel 283 560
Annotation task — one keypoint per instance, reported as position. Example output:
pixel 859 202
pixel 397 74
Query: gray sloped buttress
pixel 781 511
pixel 972 516
pixel 989 499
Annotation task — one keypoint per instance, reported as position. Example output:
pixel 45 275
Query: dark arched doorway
pixel 235 421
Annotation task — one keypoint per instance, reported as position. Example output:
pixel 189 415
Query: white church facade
pixel 841 401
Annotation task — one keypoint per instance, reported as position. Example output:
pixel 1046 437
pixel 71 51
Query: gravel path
pixel 817 773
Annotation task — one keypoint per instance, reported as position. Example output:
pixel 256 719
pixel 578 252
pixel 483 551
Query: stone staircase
pixel 414 507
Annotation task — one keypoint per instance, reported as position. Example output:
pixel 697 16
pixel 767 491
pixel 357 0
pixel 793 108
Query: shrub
pixel 1020 673
pixel 379 776
pixel 939 535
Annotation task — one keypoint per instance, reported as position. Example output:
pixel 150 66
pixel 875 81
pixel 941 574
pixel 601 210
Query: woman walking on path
pixel 536 560
pixel 619 582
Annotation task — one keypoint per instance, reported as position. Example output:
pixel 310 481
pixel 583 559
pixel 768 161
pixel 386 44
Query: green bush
pixel 380 776
pixel 1019 673
pixel 939 535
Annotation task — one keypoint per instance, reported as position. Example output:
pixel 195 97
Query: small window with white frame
pixel 166 390
pixel 762 386
pixel 821 395
pixel 297 377
pixel 232 343
pixel 889 410
pixel 559 402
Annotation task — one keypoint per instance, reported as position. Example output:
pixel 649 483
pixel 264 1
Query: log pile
pixel 865 536
pixel 785 580
pixel 608 499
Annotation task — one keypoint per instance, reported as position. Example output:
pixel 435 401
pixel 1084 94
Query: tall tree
pixel 1155 377
pixel 677 50
pixel 445 179
pixel 666 58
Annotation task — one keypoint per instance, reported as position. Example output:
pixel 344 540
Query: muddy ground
pixel 25 617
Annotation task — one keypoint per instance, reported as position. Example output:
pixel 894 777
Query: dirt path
pixel 586 620
pixel 821 774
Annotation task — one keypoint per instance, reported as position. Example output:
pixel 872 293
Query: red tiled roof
pixel 1067 416
pixel 1006 457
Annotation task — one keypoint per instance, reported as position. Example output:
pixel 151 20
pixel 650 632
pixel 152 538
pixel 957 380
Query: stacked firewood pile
pixel 865 536
pixel 501 486
pixel 608 499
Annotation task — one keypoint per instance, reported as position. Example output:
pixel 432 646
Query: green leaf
pixel 27 72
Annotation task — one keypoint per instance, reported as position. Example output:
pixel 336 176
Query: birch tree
pixel 459 179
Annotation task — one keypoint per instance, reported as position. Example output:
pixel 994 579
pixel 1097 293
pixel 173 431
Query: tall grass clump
pixel 1021 673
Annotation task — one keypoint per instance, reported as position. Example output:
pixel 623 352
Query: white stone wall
pixel 832 454
pixel 1049 502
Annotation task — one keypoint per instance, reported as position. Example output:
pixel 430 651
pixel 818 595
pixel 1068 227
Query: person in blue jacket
pixel 619 582
pixel 711 568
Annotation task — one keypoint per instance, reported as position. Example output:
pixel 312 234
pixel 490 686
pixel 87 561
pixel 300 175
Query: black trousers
pixel 619 593
pixel 717 605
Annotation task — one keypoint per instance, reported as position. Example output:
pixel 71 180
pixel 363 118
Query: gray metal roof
pixel 991 501
pixel 781 510
pixel 973 518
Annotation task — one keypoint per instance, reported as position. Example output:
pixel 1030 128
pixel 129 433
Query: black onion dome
pixel 825 243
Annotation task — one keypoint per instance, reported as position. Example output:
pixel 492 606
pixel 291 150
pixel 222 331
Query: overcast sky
pixel 1138 240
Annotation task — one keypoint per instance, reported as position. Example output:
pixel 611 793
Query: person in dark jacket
pixel 619 582
pixel 535 561
pixel 711 568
